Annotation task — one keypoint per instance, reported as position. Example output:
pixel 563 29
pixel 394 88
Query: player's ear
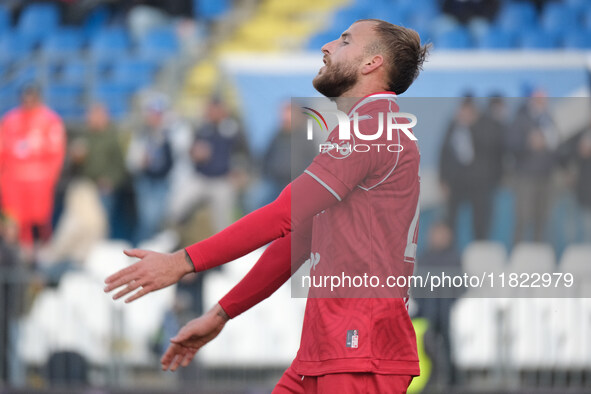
pixel 372 63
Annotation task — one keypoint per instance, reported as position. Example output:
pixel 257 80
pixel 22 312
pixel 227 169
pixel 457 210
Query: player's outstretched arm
pixel 192 337
pixel 253 231
pixel 279 261
pixel 153 272
pixel 267 275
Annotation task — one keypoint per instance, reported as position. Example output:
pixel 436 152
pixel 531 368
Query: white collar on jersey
pixel 372 97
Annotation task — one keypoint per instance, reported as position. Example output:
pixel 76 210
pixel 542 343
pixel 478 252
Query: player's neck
pixel 362 89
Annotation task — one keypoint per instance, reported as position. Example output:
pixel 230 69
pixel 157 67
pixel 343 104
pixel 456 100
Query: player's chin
pixel 318 78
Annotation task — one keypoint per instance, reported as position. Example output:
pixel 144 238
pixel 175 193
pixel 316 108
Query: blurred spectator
pixel 82 224
pixel 217 143
pixel 533 140
pixel 99 157
pixel 458 161
pixel 32 152
pixel 464 10
pixel 577 151
pixel 488 138
pixel 141 19
pixel 278 164
pixel 441 256
pixel 583 186
pixel 10 292
pixel 277 160
pixel 149 160
pixel 214 154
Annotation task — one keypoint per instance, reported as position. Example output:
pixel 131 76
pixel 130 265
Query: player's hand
pixel 192 337
pixel 153 272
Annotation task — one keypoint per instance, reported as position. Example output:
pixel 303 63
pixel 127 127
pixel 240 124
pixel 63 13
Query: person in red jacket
pixel 32 149
pixel 352 211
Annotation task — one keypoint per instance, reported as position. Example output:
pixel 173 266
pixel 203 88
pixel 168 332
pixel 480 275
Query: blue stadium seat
pixel 425 35
pixel 159 43
pixel 443 24
pixel 4 67
pixel 109 43
pixel 66 91
pixel 426 9
pixel 495 38
pixel 137 73
pixel 9 97
pixel 577 39
pixel 116 97
pixel 538 39
pixel 4 19
pixel 64 42
pixel 344 17
pixel 97 19
pixel 558 17
pixel 15 46
pixel 397 13
pixel 577 6
pixel 516 16
pixel 458 38
pixel 586 16
pixel 37 20
pixel 107 46
pixel 478 27
pixel 422 23
pixel 65 98
pixel 75 71
pixel 210 9
pixel 28 73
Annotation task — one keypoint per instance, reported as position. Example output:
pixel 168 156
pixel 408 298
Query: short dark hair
pixel 403 52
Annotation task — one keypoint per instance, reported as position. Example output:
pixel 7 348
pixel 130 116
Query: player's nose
pixel 327 48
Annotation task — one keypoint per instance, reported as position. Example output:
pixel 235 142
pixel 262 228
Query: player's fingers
pixel 177 361
pixel 169 355
pixel 133 285
pixel 141 293
pixel 189 354
pixel 123 280
pixel 120 274
pixel 186 360
pixel 169 366
pixel 139 253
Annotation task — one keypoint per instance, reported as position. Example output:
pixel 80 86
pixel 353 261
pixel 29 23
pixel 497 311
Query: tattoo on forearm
pixel 189 261
pixel 222 313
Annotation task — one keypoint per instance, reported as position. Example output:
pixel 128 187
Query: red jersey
pixel 32 149
pixel 372 230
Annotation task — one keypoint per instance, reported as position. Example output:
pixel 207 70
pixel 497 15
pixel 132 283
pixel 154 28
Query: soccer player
pixel 353 211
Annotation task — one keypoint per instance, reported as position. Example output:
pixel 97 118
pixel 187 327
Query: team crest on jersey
pixel 352 339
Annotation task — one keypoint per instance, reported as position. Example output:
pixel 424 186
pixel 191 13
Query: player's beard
pixel 336 79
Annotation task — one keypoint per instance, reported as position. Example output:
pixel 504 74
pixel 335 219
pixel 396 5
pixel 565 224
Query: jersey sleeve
pixel 283 257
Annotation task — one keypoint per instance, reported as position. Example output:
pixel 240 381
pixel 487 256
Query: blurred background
pixel 157 123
